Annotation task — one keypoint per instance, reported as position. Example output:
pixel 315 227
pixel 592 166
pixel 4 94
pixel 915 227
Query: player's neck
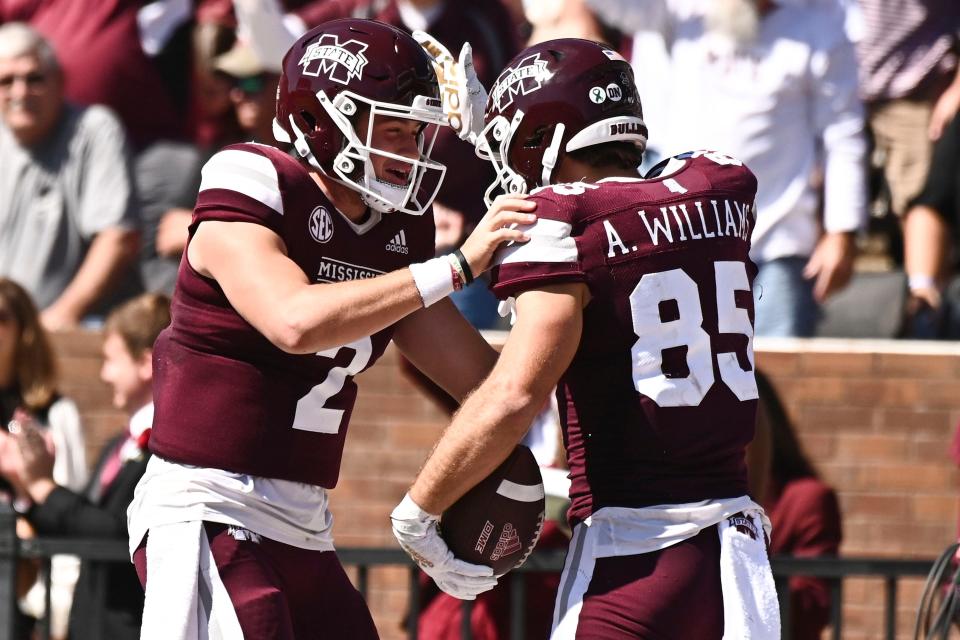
pixel 572 171
pixel 346 200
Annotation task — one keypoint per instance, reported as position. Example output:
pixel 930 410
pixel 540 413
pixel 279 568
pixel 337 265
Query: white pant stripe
pixel 574 582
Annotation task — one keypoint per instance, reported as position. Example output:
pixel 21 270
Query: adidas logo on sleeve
pixel 399 243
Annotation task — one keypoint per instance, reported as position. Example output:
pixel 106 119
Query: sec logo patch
pixel 320 225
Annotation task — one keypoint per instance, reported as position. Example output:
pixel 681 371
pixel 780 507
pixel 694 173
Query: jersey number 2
pixel 311 413
pixel 654 335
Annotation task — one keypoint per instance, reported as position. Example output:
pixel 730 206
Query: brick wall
pixel 79 360
pixel 876 417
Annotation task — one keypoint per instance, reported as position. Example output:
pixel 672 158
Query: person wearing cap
pixel 168 171
pixel 253 92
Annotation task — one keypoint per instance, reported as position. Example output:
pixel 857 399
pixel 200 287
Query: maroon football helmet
pixel 554 97
pixel 331 76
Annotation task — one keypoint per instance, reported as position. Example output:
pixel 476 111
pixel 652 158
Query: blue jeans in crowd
pixel 478 305
pixel 783 299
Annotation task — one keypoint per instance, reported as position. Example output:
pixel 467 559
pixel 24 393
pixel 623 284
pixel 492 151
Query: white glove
pixel 416 530
pixel 464 98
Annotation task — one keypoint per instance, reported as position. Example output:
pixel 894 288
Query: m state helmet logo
pixel 526 78
pixel 339 61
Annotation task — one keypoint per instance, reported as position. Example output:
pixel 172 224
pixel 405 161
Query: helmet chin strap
pixel 551 154
pixel 382 194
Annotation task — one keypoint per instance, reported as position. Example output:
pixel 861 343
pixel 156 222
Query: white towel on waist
pixel 185 598
pixel 750 607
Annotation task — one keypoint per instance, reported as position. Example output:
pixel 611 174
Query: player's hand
pixel 464 98
pixel 496 227
pixel 416 531
pixel 831 264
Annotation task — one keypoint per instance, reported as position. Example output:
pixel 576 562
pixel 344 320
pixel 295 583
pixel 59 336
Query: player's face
pixel 394 135
pixel 129 377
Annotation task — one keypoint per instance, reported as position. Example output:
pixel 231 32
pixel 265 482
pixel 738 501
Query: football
pixel 497 523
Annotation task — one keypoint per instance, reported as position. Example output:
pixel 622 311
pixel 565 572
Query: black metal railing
pixel 834 569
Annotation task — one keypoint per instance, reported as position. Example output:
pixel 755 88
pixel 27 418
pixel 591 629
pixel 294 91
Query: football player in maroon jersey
pixel 298 272
pixel 633 296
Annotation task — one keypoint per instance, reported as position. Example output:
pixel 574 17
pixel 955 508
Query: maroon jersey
pixel 660 399
pixel 225 396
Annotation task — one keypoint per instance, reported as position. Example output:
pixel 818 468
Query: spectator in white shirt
pixel 775 85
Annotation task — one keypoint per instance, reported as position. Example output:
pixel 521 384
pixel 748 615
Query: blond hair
pixel 34 365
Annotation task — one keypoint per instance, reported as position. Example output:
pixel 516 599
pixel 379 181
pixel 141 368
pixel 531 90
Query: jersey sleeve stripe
pixel 247 173
pixel 550 241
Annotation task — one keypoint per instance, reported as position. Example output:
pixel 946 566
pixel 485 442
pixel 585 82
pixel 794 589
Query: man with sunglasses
pixel 67 210
pixel 253 92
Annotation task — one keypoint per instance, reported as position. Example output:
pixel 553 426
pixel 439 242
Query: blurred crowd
pixel 842 108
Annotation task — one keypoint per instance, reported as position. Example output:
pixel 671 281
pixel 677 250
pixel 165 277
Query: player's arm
pixel 441 343
pixel 250 263
pixel 495 417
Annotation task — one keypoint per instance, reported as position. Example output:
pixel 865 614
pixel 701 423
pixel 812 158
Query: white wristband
pixel 921 281
pixel 434 279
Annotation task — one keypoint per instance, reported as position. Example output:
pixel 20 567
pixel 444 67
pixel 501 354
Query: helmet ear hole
pixel 309 121
pixel 320 145
pixel 535 139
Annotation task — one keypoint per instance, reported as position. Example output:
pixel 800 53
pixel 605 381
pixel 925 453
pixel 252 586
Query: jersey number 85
pixel 654 335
